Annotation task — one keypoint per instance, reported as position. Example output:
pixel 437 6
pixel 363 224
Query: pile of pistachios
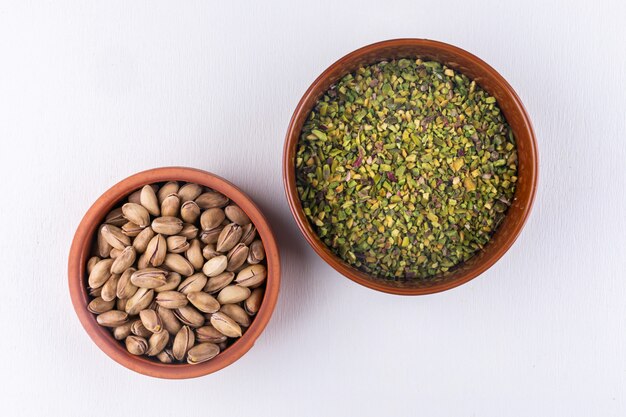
pixel 178 273
pixel 406 168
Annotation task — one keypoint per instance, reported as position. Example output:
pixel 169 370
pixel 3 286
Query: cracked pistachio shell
pixel 215 266
pixel 140 243
pixel 194 283
pixel 157 342
pixel 104 249
pixel 171 187
pixel 237 256
pixel 209 334
pixel 109 288
pixel 170 322
pixel 124 260
pixel 194 254
pixel 151 320
pixel 183 341
pixel 115 237
pixel 177 244
pixel 229 237
pixel 178 263
pixel 100 273
pixel 139 301
pixel 212 218
pixel 190 316
pixel 112 318
pixel 236 215
pixel 233 294
pixel 136 345
pixel 149 278
pixel 189 230
pixel 237 313
pixel 216 283
pixel 167 225
pixel 92 262
pixel 166 356
pixel 209 251
pixel 256 253
pixel 251 275
pixel 122 332
pixel 189 212
pixel 171 299
pixel 137 328
pixel 171 282
pixel 248 234
pixel 115 217
pixel 156 250
pixel 202 352
pixel 211 199
pixel 148 199
pixel 136 213
pixel 253 303
pixel 211 236
pixel 130 229
pixel 99 306
pixel 189 192
pixel 225 325
pixel 203 302
pixel 170 205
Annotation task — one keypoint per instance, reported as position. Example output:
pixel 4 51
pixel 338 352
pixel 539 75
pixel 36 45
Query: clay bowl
pixel 514 111
pixel 81 250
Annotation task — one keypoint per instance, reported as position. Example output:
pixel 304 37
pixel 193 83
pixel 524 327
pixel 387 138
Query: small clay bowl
pixel 81 250
pixel 515 114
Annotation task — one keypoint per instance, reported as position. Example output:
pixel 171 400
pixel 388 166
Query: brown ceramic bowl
pixel 513 110
pixel 81 250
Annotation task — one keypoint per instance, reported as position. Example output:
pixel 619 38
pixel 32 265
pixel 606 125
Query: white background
pixel 91 92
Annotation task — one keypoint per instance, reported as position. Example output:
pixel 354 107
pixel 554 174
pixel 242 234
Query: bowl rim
pixel 79 253
pixel 291 192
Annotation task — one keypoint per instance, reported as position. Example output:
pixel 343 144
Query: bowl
pixel 513 110
pixel 81 250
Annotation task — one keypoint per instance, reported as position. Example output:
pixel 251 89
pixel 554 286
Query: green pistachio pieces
pixel 406 168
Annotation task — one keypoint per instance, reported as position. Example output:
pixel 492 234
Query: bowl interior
pixel 514 112
pixel 81 250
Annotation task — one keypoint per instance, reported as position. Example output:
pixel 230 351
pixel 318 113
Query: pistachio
pixel 177 244
pixel 178 263
pixel 171 187
pixel 114 236
pixel 151 320
pixel 225 325
pixel 136 345
pixel 229 237
pixel 189 212
pixel 203 302
pixel 124 261
pixel 211 236
pixel 237 256
pixel 248 234
pixel 120 304
pixel 194 283
pixel 189 192
pixel 115 217
pixel 149 278
pixel 171 299
pixel 215 266
pixel 143 261
pixel 143 239
pixel 189 231
pixel 94 260
pixel 95 292
pixel 99 306
pixel 233 294
pixel 170 322
pixel 223 346
pixel 209 252
pixel 112 318
pixel 104 249
pixel 114 253
pixel 122 332
pixel 166 356
pixel 167 225
pixel 183 341
pixel 189 316
pixel 100 273
pixel 135 197
pixel 171 282
pixel 149 200
pixel 251 276
pixel 211 199
pixel 194 254
pixel 256 253
pixel 253 303
pixel 109 288
pixel 157 342
pixel 235 312
pixel 137 214
pixel 170 205
pixel 236 215
pixel 139 301
pixel 212 218
pixel 209 334
pixel 156 250
pixel 216 283
pixel 130 229
pixel 138 329
pixel 202 352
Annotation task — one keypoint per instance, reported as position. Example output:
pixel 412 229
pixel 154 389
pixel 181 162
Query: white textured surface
pixel 93 91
